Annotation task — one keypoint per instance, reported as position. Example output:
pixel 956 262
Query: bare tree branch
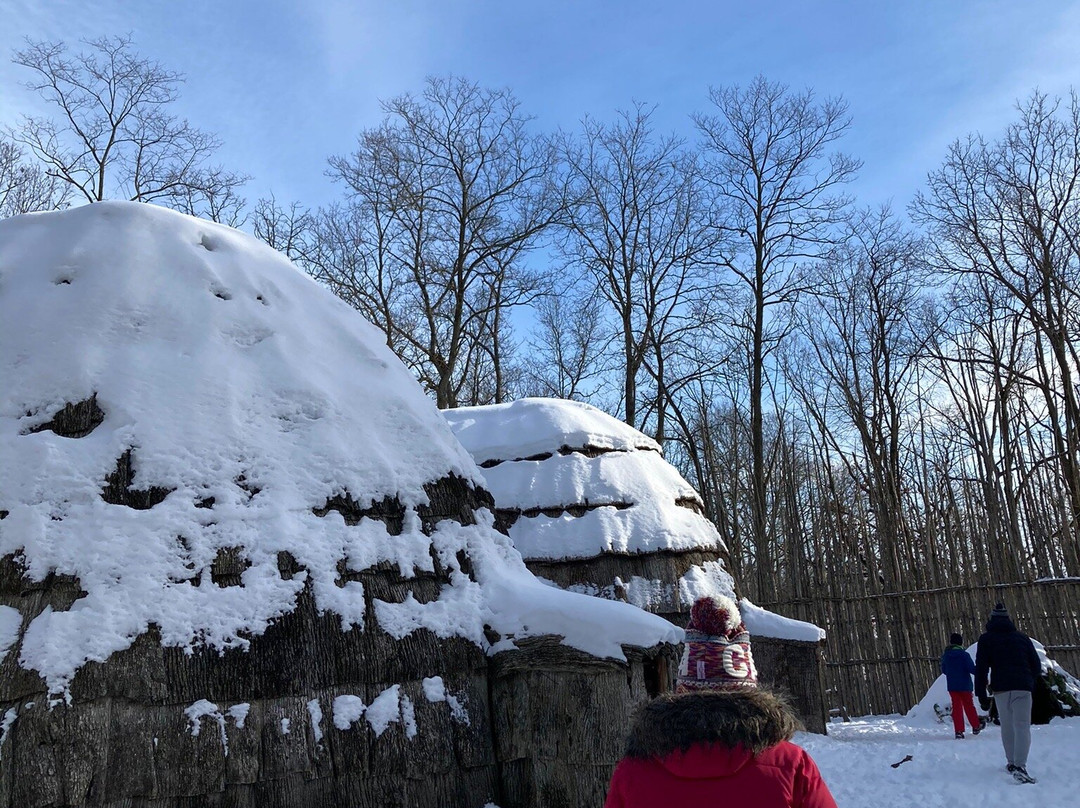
pixel 113 137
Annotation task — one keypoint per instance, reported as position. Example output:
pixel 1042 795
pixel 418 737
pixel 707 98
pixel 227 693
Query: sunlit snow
pixel 250 395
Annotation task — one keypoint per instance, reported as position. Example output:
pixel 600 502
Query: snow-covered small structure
pixel 243 560
pixel 593 507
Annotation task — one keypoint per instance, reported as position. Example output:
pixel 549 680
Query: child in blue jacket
pixel 958 667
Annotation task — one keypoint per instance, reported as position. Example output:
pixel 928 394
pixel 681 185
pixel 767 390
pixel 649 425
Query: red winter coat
pixel 695 750
pixel 781 777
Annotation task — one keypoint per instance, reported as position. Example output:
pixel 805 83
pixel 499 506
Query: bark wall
pixel 125 739
pixel 543 727
pixel 794 669
pixel 254 728
pixel 561 719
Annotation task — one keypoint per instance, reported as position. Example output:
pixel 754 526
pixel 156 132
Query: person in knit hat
pixel 1010 660
pixel 717 653
pixel 957 665
pixel 720 739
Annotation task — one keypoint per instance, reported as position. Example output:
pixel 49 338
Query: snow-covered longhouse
pixel 593 507
pixel 244 561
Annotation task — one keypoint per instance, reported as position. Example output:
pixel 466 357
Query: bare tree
pixel 1008 213
pixel 509 284
pixel 359 248
pixel 215 198
pixel 983 357
pixel 641 227
pixel 113 136
pixel 287 230
pixel 25 187
pixel 568 346
pixel 864 328
pixel 450 192
pixel 770 160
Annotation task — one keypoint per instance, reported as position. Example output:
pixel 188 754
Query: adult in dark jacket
pixel 719 740
pixel 958 666
pixel 1012 663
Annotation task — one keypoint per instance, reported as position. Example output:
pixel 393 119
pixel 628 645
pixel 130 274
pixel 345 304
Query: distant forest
pixel 868 402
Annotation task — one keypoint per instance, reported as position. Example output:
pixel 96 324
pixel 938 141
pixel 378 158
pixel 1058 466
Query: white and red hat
pixel 717 654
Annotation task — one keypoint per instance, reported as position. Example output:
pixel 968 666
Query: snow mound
pixel 571 482
pixel 227 400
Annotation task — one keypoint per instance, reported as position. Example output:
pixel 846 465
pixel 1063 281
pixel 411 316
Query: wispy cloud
pixel 372 42
pixel 69 20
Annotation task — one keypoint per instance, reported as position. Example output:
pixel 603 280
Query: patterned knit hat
pixel 717 654
pixel 999 610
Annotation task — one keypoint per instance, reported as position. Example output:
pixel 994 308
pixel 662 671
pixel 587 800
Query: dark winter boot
pixel 959 736
pixel 1020 774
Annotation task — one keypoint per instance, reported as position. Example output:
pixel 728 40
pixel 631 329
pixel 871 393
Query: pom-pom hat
pixel 717 654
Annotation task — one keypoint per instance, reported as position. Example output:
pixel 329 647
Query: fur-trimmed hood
pixel 753 719
pixel 713 748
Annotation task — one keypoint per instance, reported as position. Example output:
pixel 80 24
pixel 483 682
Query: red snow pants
pixel 962 703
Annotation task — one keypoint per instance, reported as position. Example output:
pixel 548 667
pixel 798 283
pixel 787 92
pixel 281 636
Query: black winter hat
pixel 956 639
pixel 999 610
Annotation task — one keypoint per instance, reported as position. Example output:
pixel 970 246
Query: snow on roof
pixel 233 379
pixel 632 492
pixel 533 426
pixel 769 624
pixel 612 477
pixel 639 529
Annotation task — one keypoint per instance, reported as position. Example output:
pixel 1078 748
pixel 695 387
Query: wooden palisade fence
pixel 867 670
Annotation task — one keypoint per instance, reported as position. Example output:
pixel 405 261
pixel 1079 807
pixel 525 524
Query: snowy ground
pixel 856 762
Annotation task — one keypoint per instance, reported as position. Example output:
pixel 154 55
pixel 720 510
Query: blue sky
pixel 286 84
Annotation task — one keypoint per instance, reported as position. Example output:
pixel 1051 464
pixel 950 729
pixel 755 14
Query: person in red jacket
pixel 719 739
